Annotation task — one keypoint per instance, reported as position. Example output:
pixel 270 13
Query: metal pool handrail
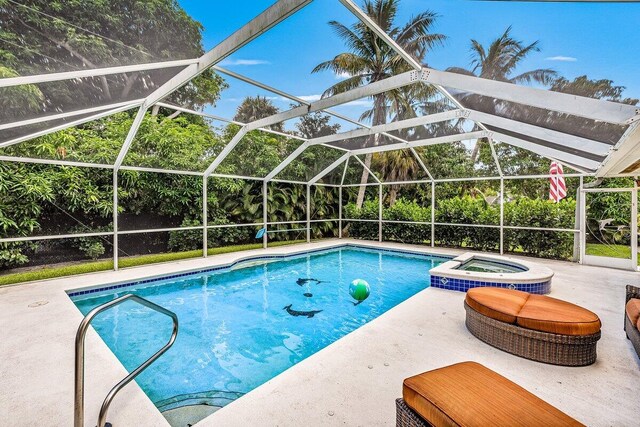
pixel 79 361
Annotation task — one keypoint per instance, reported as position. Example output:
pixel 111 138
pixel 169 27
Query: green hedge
pixel 543 214
pixel 469 210
pixel 92 267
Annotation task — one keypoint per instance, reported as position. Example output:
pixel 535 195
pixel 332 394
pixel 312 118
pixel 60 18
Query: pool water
pixel 486 266
pixel 240 327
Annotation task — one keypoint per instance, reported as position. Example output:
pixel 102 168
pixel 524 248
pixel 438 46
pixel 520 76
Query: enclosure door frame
pixel 603 261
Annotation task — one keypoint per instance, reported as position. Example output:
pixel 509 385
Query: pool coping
pixel 38 355
pixel 85 290
pixel 288 254
pixel 534 273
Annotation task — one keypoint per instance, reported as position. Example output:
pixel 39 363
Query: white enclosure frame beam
pixel 571 141
pixel 291 157
pixel 593 109
pixel 420 162
pixel 70 75
pixel 501 216
pixel 575 160
pixel 254 28
pixel 295 99
pixel 369 22
pixel 380 213
pixel 222 119
pixel 373 26
pixel 366 132
pixel 205 216
pixel 433 213
pixel 226 150
pixel 133 130
pixel 421 142
pixel 373 175
pixel 393 126
pixel 266 20
pixel 622 151
pixel 391 83
pixel 308 213
pixel 590 108
pixel 494 154
pixel 47 131
pixel 265 214
pixel 67 114
pixel 344 175
pixel 329 168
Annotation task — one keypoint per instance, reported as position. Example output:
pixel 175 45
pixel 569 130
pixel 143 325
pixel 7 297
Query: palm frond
pixel 543 76
pixel 355 42
pixel 345 85
pixel 460 70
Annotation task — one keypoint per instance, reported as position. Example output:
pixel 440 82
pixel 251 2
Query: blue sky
pixel 597 39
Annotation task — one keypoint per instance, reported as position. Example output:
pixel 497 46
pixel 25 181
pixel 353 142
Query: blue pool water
pixel 235 333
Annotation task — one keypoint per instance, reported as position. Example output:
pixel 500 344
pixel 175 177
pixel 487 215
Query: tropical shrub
pixel 185 240
pixel 362 229
pixel 469 210
pixel 229 235
pixel 403 210
pixel 12 255
pixel 22 193
pixel 540 214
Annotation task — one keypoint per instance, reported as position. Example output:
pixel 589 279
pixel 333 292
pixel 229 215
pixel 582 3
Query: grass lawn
pixel 614 251
pixel 94 266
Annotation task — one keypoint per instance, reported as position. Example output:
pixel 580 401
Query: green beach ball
pixel 359 290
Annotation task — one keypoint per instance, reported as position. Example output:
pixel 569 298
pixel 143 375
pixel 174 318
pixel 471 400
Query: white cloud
pixel 230 62
pixel 342 76
pixel 562 58
pixel 309 98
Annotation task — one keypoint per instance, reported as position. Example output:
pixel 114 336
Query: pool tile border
pixel 463 285
pixel 87 291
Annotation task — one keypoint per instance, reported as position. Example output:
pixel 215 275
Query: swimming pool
pixel 243 325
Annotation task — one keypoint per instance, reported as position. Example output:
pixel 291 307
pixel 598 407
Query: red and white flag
pixel 558 189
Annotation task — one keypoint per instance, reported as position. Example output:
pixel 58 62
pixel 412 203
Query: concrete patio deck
pixel 352 382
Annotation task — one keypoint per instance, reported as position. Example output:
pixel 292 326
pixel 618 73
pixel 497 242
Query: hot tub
pixel 472 270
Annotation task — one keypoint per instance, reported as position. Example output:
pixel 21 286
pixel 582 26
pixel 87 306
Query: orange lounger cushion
pixel 471 395
pixel 546 314
pixel 497 303
pixel 633 310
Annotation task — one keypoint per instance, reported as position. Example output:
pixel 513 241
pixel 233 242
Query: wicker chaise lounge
pixel 632 317
pixel 535 327
pixel 471 395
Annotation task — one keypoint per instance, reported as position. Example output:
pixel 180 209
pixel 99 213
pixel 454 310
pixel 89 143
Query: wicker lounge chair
pixel 469 394
pixel 535 327
pixel 632 316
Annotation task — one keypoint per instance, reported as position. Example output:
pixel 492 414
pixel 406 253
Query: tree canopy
pixel 38 36
pixel 41 36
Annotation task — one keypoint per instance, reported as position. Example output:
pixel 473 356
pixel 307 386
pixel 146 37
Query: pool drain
pixel 38 304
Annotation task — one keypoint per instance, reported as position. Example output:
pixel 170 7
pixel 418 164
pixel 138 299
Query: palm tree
pixel 369 60
pixel 256 108
pixel 498 62
pixel 395 166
